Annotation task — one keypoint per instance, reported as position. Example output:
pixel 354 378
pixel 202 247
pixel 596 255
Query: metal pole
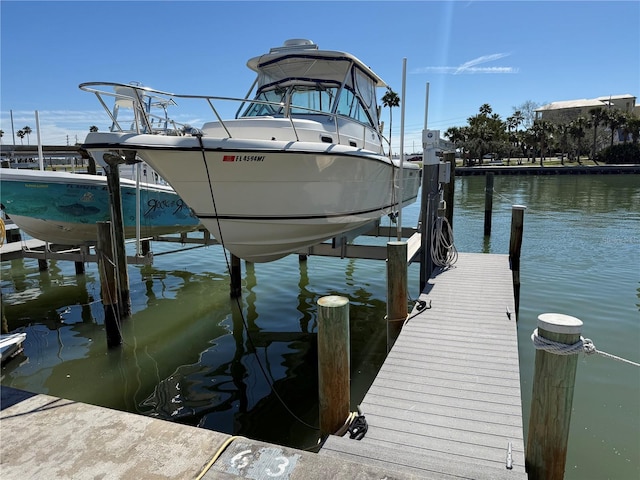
pixel 429 196
pixel 40 155
pixel 13 132
pixel 401 181
pixel 137 167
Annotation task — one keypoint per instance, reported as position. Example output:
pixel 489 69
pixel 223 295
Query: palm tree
pixel 614 119
pixel 512 123
pixel 458 136
pixel 93 128
pixel 564 130
pixel 577 131
pixel 518 118
pixel 21 135
pixel 27 131
pixel 390 99
pixel 485 109
pixel 597 117
pixel 541 130
pixel 632 127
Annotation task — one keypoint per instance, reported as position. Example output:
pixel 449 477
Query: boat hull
pixel 265 199
pixel 63 208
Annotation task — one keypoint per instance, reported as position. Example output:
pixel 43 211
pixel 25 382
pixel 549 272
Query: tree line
pixel 523 136
pixel 23 132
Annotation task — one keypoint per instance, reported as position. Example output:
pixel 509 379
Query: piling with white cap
pixel 333 363
pixel 552 398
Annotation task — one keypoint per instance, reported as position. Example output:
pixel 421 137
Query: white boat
pixel 11 345
pixel 301 161
pixel 63 207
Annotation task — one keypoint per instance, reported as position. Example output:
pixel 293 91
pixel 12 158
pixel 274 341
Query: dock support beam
pixel 488 203
pixel 145 246
pixel 107 268
pixel 429 211
pixel 236 277
pixel 552 397
pixel 80 265
pixel 397 290
pixel 515 246
pixel 333 363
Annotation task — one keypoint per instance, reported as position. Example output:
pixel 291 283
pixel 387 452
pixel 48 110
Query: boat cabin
pixel 328 96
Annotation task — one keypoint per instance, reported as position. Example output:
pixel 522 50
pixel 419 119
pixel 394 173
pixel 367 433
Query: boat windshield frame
pixel 308 97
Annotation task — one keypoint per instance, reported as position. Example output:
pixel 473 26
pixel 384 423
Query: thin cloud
pixel 471 66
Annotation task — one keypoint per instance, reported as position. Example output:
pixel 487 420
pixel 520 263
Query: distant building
pixel 567 110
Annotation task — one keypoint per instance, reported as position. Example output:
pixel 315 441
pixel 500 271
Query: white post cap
pixel 559 323
pixel 332 301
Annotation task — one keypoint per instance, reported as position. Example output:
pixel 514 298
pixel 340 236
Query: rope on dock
pixel 443 250
pixel 584 345
pixel 220 451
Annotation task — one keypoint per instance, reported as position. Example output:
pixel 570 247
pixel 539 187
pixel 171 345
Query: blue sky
pixel 502 53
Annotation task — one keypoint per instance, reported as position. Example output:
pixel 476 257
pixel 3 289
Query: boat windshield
pixel 310 99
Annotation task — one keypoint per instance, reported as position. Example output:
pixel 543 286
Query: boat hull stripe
pixel 295 217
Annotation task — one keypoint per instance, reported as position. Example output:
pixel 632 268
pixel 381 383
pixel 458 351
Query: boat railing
pixel 150 115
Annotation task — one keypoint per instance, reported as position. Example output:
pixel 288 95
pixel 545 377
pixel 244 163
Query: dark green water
pixel 187 355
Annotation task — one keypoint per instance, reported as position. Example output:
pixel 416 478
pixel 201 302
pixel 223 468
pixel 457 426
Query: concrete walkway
pixel 44 437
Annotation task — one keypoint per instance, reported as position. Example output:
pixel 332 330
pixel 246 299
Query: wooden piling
pixel 552 398
pixel 115 200
pixel 108 289
pixel 43 265
pixel 79 268
pixel 145 247
pixel 397 290
pixel 333 363
pixel 515 246
pixel 488 203
pixel 235 287
pixel 80 265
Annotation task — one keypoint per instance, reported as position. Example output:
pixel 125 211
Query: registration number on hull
pixel 243 158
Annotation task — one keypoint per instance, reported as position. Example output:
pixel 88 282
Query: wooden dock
pixel 446 403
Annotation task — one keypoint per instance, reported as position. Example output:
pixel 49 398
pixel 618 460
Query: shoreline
pixel 549 170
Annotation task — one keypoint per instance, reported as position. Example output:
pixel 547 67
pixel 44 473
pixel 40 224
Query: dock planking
pixel 446 403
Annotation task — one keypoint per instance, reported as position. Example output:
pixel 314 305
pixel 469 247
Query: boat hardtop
pixel 301 58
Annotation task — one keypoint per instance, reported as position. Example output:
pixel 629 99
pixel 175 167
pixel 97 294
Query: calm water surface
pixel 187 355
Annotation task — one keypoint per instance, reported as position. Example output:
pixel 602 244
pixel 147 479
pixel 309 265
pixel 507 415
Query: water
pixel 187 357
